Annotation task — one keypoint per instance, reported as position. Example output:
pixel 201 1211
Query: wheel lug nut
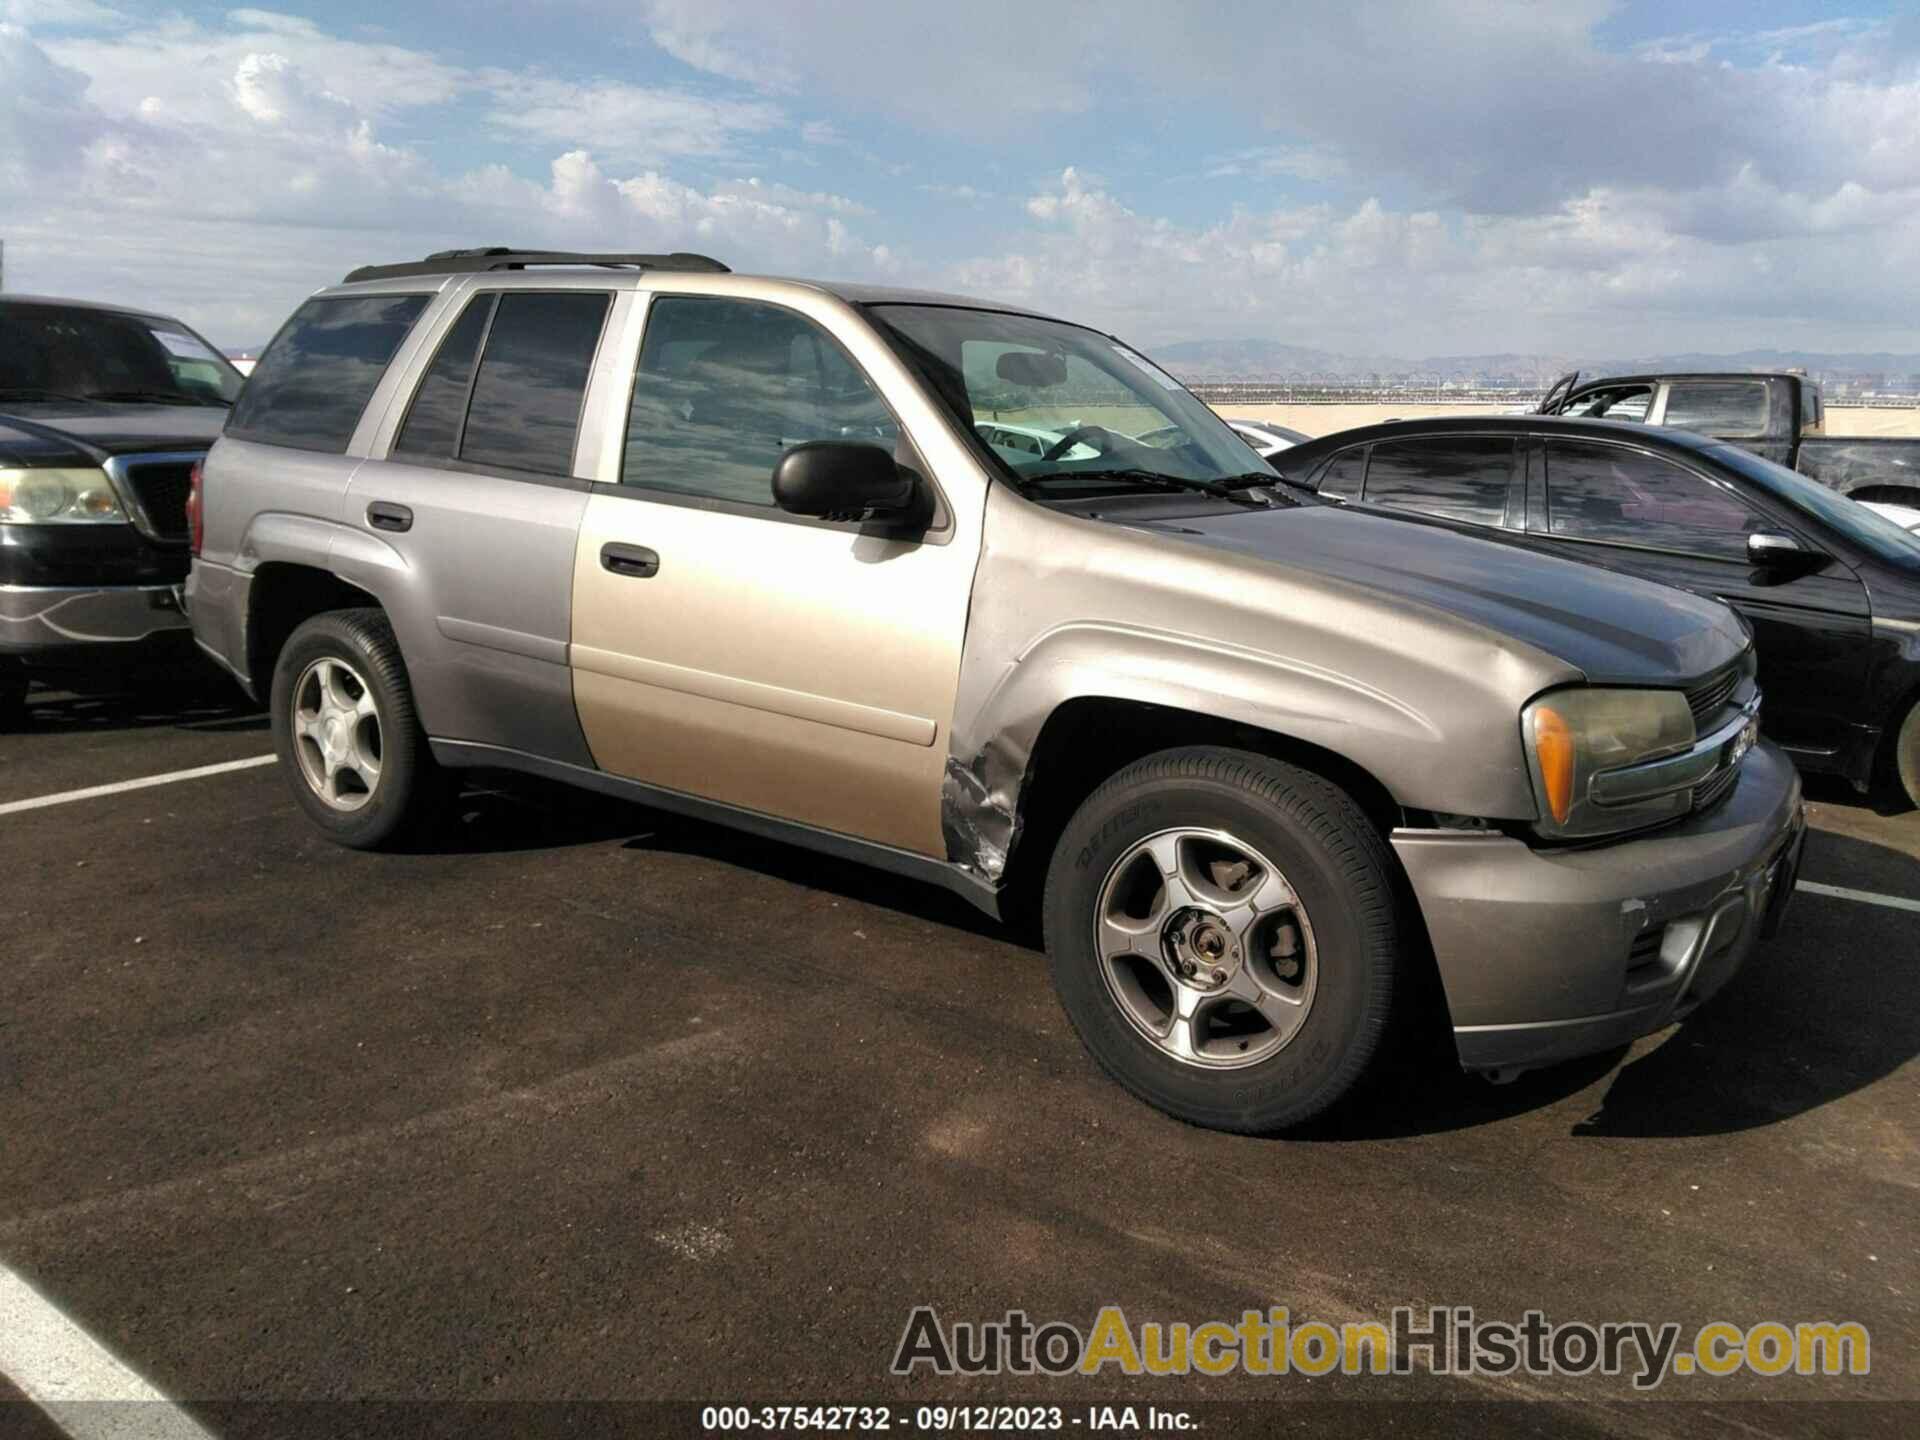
pixel 1219 977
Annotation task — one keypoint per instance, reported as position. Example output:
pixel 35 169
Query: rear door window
pixel 316 377
pixel 1728 408
pixel 1615 495
pixel 525 409
pixel 439 410
pixel 1464 477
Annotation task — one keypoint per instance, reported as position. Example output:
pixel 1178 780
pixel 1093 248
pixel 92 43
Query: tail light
pixel 196 507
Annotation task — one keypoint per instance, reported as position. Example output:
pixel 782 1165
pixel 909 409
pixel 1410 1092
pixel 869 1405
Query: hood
pixel 1615 629
pixel 87 434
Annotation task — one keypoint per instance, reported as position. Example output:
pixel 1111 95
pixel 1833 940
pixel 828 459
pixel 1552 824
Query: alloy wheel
pixel 336 733
pixel 1206 948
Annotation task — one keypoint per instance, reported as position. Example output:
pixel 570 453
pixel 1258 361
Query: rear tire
pixel 1221 930
pixel 348 735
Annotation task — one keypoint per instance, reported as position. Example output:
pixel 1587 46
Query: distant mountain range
pixel 1200 360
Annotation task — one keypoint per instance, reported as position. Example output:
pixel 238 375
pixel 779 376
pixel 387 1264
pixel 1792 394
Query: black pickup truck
pixel 103 414
pixel 1780 416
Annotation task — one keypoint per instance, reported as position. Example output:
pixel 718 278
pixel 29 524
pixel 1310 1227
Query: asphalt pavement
pixel 588 1103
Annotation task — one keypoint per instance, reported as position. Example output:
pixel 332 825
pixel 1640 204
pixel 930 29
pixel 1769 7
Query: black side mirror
pixel 836 480
pixel 1780 558
pixel 1769 551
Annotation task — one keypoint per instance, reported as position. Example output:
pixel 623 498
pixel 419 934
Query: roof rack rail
pixel 505 257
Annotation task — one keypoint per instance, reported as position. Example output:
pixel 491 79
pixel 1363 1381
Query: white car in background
pixel 1029 440
pixel 1265 437
pixel 1905 516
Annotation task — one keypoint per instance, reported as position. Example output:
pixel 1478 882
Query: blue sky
pixel 1412 178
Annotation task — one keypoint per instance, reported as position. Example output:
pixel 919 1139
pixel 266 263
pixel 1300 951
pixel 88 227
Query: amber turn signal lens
pixel 1553 747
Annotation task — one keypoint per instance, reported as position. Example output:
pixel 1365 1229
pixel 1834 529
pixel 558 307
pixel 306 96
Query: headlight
pixel 58 497
pixel 1573 736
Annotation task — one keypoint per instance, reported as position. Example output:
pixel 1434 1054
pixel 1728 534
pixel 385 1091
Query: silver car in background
pixel 1265 437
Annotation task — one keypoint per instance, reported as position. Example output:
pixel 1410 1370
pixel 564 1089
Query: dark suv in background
pixel 103 414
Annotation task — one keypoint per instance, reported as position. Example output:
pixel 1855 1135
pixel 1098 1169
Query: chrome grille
pixel 1710 697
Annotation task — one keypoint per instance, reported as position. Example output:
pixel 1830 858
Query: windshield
pixel 1065 406
pixel 61 352
pixel 1872 532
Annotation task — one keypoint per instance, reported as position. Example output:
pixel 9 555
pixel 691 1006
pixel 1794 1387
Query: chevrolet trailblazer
pixel 783 555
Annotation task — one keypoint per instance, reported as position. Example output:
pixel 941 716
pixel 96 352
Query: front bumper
pixel 60 624
pixel 1548 954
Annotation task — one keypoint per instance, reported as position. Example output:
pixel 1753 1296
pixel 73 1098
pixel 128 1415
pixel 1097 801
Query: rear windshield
pixel 60 353
pixel 316 377
pixel 1718 407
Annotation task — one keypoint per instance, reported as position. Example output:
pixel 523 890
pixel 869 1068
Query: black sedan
pixel 1831 589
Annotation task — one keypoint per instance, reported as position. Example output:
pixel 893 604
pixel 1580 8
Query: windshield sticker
pixel 1160 377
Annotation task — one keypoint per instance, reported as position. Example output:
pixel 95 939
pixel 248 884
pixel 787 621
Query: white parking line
pixel 70 1375
pixel 67 797
pixel 1865 897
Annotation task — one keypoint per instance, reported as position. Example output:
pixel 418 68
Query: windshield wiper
pixel 1157 480
pixel 35 392
pixel 158 397
pixel 1267 478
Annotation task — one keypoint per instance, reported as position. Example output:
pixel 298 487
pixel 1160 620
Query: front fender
pixel 1409 750
pixel 1065 609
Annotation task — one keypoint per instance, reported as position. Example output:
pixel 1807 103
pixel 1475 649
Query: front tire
pixel 1221 931
pixel 348 735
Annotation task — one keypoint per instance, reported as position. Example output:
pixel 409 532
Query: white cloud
pixel 1302 162
pixel 630 121
pixel 188 69
pixel 1490 106
pixel 970 194
pixel 985 68
pixel 269 89
pixel 1471 174
pixel 289 119
pixel 57 13
pixel 1373 278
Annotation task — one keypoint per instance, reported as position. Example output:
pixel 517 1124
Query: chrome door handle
pixel 634 560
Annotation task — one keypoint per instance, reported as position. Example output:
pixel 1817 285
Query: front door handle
pixel 635 560
pixel 385 515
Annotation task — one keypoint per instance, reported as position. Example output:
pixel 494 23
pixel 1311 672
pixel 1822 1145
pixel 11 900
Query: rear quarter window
pixel 1736 408
pixel 532 381
pixel 316 377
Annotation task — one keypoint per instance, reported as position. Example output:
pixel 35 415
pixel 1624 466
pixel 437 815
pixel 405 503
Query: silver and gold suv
pixel 987 599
